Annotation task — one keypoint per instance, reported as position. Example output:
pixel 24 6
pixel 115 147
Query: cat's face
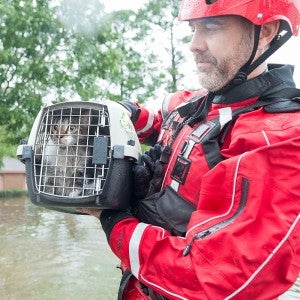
pixel 67 131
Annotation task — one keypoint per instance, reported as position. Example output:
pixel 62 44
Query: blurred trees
pixel 53 51
pixel 30 40
pixel 161 18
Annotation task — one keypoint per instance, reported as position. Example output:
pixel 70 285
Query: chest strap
pixel 211 134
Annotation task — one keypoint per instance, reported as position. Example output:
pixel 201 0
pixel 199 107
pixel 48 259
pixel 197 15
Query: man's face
pixel 221 46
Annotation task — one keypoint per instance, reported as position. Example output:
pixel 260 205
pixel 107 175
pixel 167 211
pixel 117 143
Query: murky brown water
pixel 50 255
pixel 46 255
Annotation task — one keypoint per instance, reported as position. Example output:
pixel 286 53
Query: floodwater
pixel 47 255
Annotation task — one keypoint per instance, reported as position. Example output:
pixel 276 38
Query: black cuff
pixel 109 218
pixel 132 108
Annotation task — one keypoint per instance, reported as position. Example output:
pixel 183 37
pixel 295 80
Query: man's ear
pixel 267 34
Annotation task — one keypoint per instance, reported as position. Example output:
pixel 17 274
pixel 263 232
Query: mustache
pixel 205 57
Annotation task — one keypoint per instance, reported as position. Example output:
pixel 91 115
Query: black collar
pixel 274 80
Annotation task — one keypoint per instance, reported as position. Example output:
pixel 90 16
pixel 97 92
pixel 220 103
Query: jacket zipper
pixel 203 234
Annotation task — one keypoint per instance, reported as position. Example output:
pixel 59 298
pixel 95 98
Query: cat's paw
pixel 75 193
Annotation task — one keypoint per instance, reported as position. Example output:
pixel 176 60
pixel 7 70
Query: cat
pixel 66 160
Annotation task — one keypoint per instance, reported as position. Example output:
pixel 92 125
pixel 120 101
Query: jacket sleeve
pixel 242 241
pixel 147 123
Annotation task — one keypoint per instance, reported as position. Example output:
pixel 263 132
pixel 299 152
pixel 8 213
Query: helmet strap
pixel 241 75
pixel 278 41
pixel 250 66
pixel 247 65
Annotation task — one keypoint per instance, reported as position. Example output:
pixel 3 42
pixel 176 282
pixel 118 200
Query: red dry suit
pixel 240 169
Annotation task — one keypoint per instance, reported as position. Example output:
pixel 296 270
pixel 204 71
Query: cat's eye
pixel 72 127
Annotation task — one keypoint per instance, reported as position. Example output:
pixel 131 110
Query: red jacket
pixel 243 238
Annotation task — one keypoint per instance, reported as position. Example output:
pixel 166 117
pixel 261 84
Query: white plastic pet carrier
pixel 80 154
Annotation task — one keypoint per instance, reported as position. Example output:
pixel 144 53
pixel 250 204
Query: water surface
pixel 51 255
pixel 47 255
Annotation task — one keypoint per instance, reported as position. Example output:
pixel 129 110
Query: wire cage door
pixel 81 154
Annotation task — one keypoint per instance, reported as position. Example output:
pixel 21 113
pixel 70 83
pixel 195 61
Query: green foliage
pixel 74 50
pixel 161 17
pixel 30 37
pixel 108 65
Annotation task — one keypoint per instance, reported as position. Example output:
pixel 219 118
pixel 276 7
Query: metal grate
pixel 64 147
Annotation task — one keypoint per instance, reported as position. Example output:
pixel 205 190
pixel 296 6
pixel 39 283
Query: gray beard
pixel 225 70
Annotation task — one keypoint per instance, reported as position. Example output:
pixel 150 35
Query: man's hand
pixel 148 175
pixel 90 211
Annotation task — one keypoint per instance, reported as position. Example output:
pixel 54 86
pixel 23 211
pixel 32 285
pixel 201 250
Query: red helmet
pixel 256 11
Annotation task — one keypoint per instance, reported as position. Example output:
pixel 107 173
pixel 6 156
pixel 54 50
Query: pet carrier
pixel 80 154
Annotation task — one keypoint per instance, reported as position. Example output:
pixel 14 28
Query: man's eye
pixel 211 27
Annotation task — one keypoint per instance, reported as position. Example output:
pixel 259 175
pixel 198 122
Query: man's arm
pixel 243 240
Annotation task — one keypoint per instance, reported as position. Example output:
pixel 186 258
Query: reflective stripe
pixel 134 246
pixel 149 123
pixel 225 115
pixel 266 138
pixel 252 277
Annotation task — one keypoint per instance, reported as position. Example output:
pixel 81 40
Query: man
pixel 224 199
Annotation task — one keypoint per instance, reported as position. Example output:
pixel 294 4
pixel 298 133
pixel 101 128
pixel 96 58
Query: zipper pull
pixel 197 236
pixel 188 248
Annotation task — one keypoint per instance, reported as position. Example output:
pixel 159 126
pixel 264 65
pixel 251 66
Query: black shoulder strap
pixel 287 101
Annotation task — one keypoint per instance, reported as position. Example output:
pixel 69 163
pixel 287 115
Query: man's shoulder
pixel 173 100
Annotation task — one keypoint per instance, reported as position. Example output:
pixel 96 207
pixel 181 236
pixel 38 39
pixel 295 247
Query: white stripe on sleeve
pixel 134 245
pixel 149 124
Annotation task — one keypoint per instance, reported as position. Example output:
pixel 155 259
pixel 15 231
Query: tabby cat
pixel 67 157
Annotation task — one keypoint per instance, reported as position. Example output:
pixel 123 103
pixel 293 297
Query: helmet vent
pixel 209 2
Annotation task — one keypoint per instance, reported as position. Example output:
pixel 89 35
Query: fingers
pixel 151 156
pixel 148 161
pixel 154 152
pixel 142 178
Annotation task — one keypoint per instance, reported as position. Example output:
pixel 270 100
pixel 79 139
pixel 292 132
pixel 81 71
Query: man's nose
pixel 198 42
